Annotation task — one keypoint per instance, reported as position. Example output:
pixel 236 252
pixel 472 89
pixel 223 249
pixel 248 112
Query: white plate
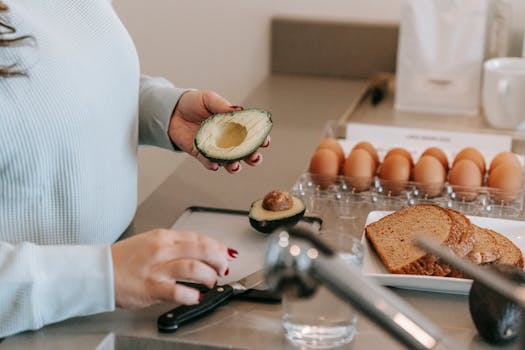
pixel 373 267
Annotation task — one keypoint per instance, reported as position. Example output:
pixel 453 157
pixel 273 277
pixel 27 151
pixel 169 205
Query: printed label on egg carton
pixel 415 140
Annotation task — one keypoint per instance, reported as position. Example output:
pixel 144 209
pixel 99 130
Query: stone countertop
pixel 301 106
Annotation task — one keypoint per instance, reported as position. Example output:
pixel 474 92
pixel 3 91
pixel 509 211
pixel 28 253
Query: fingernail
pixel 227 272
pixel 266 143
pixel 215 284
pixel 215 167
pixel 233 253
pixel 239 108
pixel 256 159
pixel 236 168
pixel 200 297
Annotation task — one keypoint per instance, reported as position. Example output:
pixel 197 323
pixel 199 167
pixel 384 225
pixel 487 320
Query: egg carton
pixel 337 196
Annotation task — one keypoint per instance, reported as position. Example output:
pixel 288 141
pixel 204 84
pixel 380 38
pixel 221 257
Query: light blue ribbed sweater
pixel 68 168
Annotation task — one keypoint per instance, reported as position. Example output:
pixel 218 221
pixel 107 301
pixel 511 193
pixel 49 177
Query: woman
pixel 72 109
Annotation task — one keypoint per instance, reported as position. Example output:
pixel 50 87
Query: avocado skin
pixel 496 318
pixel 268 226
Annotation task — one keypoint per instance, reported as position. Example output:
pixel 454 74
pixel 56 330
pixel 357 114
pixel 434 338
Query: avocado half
pixel 266 221
pixel 497 319
pixel 232 136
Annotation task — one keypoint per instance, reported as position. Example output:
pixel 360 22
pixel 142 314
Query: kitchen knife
pixel 170 321
pixel 257 294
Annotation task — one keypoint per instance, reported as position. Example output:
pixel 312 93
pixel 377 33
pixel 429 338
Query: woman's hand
pixel 147 267
pixel 194 107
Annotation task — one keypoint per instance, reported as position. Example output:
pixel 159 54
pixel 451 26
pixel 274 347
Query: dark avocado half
pixel 266 221
pixel 228 137
pixel 497 319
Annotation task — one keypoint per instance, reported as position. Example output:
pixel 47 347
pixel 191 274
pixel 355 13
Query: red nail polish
pixel 239 108
pixel 233 253
pixel 200 297
pixel 227 272
pixel 256 159
pixel 215 284
pixel 237 167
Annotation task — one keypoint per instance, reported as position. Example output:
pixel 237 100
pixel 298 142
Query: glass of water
pixel 324 321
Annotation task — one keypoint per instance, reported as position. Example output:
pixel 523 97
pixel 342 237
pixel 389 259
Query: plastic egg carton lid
pixel 417 140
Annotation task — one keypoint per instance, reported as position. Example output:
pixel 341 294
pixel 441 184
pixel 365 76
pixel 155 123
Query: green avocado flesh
pixel 228 137
pixel 267 221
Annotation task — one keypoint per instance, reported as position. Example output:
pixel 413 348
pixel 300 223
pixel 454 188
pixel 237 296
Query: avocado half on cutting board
pixel 228 137
pixel 277 208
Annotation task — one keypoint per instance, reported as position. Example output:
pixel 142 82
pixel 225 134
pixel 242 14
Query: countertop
pixel 301 106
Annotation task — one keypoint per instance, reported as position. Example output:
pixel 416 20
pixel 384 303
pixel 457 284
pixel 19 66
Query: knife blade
pixel 259 294
pixel 170 321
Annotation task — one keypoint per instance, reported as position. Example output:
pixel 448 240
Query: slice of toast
pixel 491 247
pixel 461 244
pixel 487 248
pixel 393 239
pixel 464 230
pixel 511 254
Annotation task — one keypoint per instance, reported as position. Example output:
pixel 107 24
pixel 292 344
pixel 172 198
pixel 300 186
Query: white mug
pixel 503 92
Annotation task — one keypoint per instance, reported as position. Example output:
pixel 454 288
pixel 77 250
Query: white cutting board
pixel 233 228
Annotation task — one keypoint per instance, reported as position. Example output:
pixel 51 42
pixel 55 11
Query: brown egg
pixel 401 151
pixel 325 165
pixel 506 178
pixel 335 146
pixel 472 154
pixel 465 177
pixel 396 171
pixel 437 153
pixel 367 146
pixel 359 168
pixel 430 174
pixel 504 157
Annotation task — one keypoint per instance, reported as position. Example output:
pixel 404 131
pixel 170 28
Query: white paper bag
pixel 523 48
pixel 440 55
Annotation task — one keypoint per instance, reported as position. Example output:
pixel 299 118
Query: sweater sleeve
pixel 158 98
pixel 40 285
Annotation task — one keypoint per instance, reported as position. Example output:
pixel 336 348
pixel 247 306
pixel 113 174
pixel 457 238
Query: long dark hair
pixel 7 29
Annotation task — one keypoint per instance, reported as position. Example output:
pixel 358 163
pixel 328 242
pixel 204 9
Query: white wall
pixel 223 45
pixel 518 27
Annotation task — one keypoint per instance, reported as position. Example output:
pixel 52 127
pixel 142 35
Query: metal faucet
pixel 297 261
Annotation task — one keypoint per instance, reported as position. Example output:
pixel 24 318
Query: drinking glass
pixel 323 320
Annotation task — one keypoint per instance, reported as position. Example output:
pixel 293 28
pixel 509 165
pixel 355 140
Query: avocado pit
pixel 277 201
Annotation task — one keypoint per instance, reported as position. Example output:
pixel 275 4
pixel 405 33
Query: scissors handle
pixel 170 321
